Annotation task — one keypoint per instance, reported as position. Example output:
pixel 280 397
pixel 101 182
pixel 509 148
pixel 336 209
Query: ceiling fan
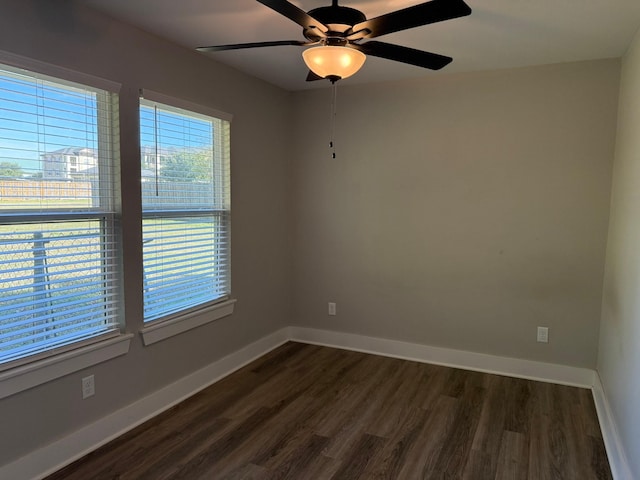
pixel 340 36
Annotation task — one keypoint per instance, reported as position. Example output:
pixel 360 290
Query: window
pixel 185 207
pixel 58 264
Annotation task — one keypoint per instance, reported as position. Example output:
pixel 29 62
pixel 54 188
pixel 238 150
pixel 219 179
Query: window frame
pixel 34 369
pixel 174 323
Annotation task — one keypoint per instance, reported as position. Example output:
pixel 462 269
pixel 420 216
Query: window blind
pixel 58 263
pixel 186 209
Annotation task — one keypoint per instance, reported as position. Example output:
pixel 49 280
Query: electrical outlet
pixel 88 387
pixel 332 308
pixel 543 334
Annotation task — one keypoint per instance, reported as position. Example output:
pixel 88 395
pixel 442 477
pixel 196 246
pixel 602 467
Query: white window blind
pixel 58 262
pixel 186 209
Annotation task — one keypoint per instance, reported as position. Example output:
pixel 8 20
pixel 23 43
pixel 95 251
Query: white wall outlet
pixel 332 308
pixel 88 387
pixel 543 334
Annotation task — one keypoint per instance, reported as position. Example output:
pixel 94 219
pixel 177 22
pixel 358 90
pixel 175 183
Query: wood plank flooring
pixel 310 412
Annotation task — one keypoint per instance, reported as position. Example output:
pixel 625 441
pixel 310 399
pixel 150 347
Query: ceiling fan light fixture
pixel 330 61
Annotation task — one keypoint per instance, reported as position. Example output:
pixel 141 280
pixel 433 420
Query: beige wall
pixel 619 356
pixel 462 211
pixel 62 33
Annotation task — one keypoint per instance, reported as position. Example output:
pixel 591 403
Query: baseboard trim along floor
pixel 513 367
pixel 54 456
pixel 51 458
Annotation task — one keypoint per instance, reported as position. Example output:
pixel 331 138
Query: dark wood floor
pixel 309 412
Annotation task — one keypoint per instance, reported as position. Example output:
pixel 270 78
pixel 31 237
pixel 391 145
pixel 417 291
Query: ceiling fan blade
pixel 422 14
pixel 299 16
pixel 238 46
pixel 398 53
pixel 312 77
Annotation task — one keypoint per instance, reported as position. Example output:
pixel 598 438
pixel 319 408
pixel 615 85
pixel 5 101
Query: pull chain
pixel 334 109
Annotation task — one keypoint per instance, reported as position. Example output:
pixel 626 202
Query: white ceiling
pixel 498 34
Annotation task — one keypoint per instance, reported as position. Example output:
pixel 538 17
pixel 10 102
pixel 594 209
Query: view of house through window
pixel 58 262
pixel 186 209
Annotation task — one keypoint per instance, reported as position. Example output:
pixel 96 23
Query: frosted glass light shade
pixel 333 61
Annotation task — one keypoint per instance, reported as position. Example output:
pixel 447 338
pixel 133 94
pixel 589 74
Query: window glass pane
pixel 185 262
pixel 53 288
pixel 58 251
pixel 185 201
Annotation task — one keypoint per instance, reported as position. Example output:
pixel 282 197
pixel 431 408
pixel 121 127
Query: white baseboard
pixel 513 367
pixel 615 451
pixel 53 457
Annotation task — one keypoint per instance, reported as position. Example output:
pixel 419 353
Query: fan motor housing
pixel 334 15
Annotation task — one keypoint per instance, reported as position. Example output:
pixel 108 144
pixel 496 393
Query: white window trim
pixel 169 102
pixel 166 327
pixel 61 73
pixel 156 332
pixel 36 373
pixel 56 365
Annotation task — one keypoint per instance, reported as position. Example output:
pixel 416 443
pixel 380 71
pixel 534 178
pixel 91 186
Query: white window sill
pixel 165 329
pixel 41 371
